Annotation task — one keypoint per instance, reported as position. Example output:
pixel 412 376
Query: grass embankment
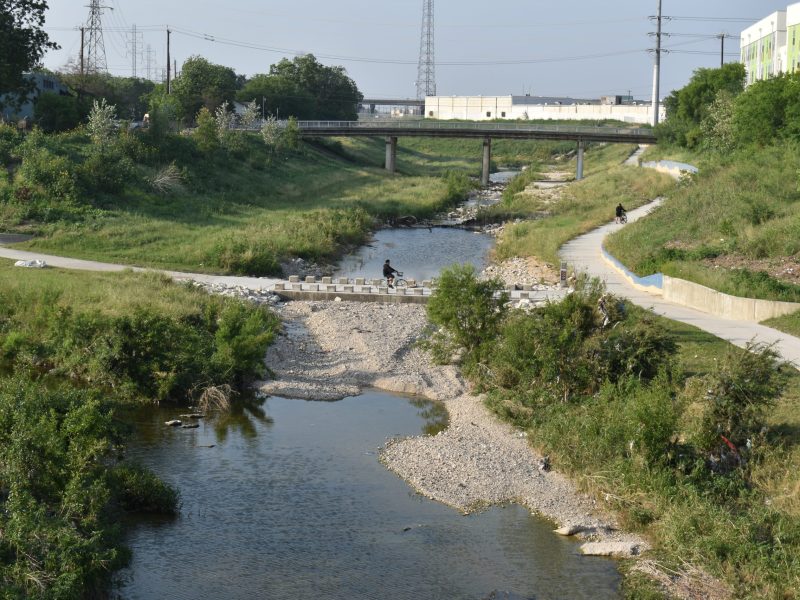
pixel 240 209
pixel 635 408
pixel 730 228
pixel 74 347
pixel 579 208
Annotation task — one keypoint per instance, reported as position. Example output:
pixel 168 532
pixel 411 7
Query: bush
pixel 10 138
pixel 139 490
pixel 206 134
pixel 59 540
pixel 738 394
pixel 467 311
pixel 105 170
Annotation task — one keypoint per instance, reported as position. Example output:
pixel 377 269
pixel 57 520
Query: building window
pixel 503 114
pixel 47 84
pixel 488 113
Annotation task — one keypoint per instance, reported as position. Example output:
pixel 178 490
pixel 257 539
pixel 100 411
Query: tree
pixel 54 112
pixel 306 89
pixel 23 42
pixel 102 121
pixel 207 132
pixel 689 106
pixel 203 84
pixel 767 110
pixel 128 94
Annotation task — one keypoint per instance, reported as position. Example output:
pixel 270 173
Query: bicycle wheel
pixel 400 282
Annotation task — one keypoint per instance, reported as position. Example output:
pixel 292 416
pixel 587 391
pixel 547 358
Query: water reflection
pixel 304 509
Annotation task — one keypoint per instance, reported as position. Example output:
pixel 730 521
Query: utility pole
pixel 657 67
pixel 149 61
pixel 83 31
pixel 721 37
pixel 169 90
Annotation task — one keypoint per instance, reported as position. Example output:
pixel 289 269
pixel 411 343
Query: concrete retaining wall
pixel 700 297
pixel 711 301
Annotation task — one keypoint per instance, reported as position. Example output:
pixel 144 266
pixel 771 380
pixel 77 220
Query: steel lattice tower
pixel 426 70
pixel 96 60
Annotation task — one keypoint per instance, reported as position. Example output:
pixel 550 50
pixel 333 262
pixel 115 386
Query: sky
pixel 582 49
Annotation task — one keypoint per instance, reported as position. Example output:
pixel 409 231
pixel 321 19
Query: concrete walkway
pixel 584 254
pixel 253 283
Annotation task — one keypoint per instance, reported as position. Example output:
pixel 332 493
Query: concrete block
pixel 327 280
pixel 376 282
pixel 312 287
pixel 330 288
pixel 527 287
pixel 311 279
pixel 343 280
pixel 278 286
pixel 426 283
pixel 297 286
pixel 359 281
pixel 293 279
pixel 512 287
pixel 524 295
pixel 348 289
pixel 383 289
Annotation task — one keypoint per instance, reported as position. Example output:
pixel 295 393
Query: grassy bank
pixel 726 228
pixel 580 207
pixel 240 208
pixel 75 347
pixel 635 407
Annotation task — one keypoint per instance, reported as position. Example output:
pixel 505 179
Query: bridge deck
pixel 430 128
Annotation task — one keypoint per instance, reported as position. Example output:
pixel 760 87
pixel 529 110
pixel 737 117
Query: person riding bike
pixel 388 273
pixel 621 214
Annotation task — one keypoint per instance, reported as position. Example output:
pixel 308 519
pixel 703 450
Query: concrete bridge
pixel 392 129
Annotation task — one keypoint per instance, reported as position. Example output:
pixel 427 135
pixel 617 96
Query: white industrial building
pixel 487 108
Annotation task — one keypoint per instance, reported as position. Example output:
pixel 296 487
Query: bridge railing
pixel 449 126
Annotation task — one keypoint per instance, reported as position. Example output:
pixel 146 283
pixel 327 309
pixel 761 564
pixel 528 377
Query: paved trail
pixel 584 253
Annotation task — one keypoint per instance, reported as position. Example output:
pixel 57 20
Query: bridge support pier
pixel 391 153
pixel 579 173
pixel 487 161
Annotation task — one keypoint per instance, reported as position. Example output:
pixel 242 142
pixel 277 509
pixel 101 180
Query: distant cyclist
pixel 388 273
pixel 621 214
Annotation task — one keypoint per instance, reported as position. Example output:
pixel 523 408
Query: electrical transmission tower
pixel 96 61
pixel 135 43
pixel 426 70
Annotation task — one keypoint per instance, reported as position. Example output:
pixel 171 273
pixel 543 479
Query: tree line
pixel 301 87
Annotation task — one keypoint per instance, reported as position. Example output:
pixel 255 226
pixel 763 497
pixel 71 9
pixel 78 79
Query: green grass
pixel 745 207
pixel 584 205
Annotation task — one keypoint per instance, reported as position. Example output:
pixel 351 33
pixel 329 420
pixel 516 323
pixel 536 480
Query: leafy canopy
pixel 23 42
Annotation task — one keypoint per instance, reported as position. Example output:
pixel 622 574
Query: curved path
pixel 584 253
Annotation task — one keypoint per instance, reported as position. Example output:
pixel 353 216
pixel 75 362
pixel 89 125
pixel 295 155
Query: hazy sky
pixel 555 47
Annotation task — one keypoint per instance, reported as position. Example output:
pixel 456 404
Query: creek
pixel 287 498
pixel 292 502
pixel 422 252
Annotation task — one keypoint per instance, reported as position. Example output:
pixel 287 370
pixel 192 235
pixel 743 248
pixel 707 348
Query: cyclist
pixel 620 213
pixel 388 273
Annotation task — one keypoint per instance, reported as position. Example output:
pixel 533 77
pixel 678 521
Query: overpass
pixel 392 129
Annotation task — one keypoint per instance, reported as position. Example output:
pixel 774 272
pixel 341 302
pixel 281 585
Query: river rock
pixel 193 416
pixel 173 423
pixel 568 530
pixel 190 426
pixel 617 549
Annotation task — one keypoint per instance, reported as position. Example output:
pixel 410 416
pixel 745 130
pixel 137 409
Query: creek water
pixel 422 252
pixel 292 502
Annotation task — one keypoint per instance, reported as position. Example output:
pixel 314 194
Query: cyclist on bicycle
pixel 388 273
pixel 620 214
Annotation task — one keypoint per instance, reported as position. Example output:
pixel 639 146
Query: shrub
pixel 10 138
pixel 467 311
pixel 737 396
pixel 137 489
pixel 105 170
pixel 102 121
pixel 206 134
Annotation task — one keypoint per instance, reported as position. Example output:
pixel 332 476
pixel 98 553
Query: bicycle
pixel 398 280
